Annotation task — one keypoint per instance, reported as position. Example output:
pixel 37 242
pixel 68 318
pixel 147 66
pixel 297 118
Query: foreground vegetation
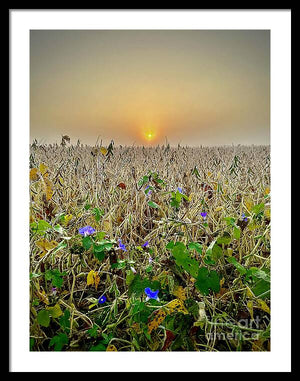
pixel 149 249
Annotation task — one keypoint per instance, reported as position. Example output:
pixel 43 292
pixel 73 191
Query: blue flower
pixel 203 214
pixel 244 217
pixel 179 190
pixel 149 191
pixel 145 244
pixel 151 294
pixel 121 245
pixel 102 299
pixel 87 230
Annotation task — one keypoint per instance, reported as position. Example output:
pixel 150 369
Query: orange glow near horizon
pixel 208 87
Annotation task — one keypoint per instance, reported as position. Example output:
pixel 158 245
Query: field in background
pixel 193 223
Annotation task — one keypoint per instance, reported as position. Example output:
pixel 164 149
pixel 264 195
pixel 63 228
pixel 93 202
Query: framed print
pixel 151 146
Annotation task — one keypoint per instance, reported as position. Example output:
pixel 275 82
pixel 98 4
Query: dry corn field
pixel 149 249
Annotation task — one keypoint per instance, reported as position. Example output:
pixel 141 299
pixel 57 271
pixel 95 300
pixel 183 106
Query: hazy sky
pixel 139 86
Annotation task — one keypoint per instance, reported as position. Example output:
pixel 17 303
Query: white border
pixel 279 22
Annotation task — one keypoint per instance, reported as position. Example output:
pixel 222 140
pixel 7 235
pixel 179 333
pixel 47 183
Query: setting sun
pixel 149 135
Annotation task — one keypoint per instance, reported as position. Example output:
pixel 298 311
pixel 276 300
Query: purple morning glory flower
pixel 150 260
pixel 102 299
pixel 203 214
pixel 54 290
pixel 151 294
pixel 244 217
pixel 87 230
pixel 121 245
pixel 145 244
pixel 149 192
pixel 179 190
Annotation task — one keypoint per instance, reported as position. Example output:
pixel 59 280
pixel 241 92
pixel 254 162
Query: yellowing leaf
pixel 55 311
pixel 90 278
pixel 93 279
pixel 222 281
pixel 248 203
pixel 45 245
pixel 263 306
pixel 252 225
pixel 249 293
pixel 267 190
pixel 218 208
pixel 209 174
pixel 67 219
pixel 43 169
pixel 97 281
pixel 111 348
pixel 103 150
pixel 250 308
pixel 159 317
pixel 176 305
pixel 267 213
pixel 42 253
pixel 33 175
pixel 229 252
pixel 179 292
